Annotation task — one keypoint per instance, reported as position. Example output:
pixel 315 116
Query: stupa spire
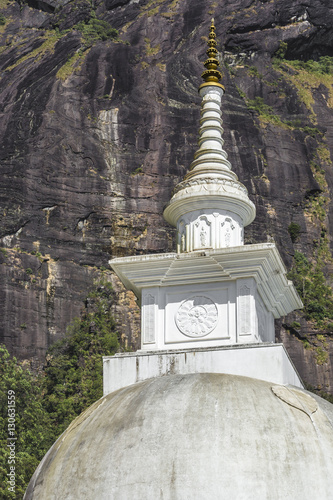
pixel 215 291
pixel 212 75
pixel 210 207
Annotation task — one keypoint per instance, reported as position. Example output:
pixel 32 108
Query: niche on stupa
pixel 202 234
pixel 226 234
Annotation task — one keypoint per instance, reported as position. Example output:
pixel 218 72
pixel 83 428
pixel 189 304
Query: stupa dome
pixel 197 436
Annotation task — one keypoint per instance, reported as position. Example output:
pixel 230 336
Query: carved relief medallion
pixel 197 316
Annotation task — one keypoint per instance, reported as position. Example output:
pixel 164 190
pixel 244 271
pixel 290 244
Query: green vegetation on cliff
pixel 96 29
pixel 306 76
pixel 315 293
pixel 46 403
pixel 265 112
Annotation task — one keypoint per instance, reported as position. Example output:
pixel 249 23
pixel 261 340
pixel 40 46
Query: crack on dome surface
pixel 296 399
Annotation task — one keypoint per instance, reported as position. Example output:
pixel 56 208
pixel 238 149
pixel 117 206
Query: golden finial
pixel 212 75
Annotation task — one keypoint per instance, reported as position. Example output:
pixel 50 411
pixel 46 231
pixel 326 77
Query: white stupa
pixel 208 408
pixel 214 292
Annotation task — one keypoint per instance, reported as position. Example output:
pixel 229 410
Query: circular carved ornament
pixel 197 316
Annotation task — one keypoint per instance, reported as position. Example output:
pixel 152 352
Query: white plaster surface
pixel 261 261
pixel 214 290
pixel 202 436
pixel 247 284
pixel 210 187
pixel 174 317
pixel 209 228
pixel 269 362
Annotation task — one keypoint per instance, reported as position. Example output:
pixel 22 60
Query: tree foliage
pixel 71 381
pixel 311 285
pixel 281 51
pixel 33 428
pixel 73 372
pixel 323 66
pixel 95 30
pixel 294 231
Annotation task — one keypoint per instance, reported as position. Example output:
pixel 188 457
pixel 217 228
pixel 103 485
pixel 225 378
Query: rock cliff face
pixel 96 130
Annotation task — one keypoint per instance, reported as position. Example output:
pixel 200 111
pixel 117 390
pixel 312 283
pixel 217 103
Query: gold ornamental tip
pixel 212 75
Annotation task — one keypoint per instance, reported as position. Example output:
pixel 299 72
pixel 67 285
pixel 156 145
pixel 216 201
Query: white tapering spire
pixel 215 291
pixel 211 157
pixel 210 207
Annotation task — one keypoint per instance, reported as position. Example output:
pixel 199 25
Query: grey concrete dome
pixel 195 437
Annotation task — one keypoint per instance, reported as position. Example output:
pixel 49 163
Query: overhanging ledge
pixel 261 261
pixel 269 362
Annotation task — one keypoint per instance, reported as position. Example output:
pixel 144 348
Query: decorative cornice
pixel 260 261
pixel 220 184
pixel 216 195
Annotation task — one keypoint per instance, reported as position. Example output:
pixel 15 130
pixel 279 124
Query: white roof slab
pixel 259 261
